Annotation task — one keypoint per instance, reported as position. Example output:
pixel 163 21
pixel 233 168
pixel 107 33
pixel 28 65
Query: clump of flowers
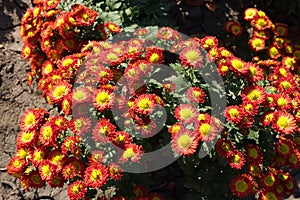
pixel 118 102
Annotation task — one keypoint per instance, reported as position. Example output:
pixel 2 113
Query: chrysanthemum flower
pixel 249 108
pixel 243 185
pixel 235 159
pixel 121 139
pixel 191 57
pixel 235 29
pixel 196 95
pixel 223 147
pixel 237 65
pixel 282 102
pixel 66 105
pixel 206 131
pixel 223 67
pixel 16 166
pixel 57 181
pixel 35 180
pixel 273 52
pixel 281 29
pixel 83 15
pixel 257 43
pixel 132 152
pixel 144 104
pixel 268 195
pixel 175 128
pixel 267 118
pixel 48 134
pixel 47 67
pixel 268 180
pixel 284 147
pixel 141 32
pixel 185 142
pixel 254 155
pixel 96 175
pixel 77 190
pixel 46 170
pixel 284 123
pixel 294 159
pixel 81 95
pixel 115 171
pixel 80 125
pixel 250 14
pixel 69 171
pixel 112 27
pixel 286 85
pixel 261 23
pixel 70 144
pixel 289 62
pixel 234 114
pixel 154 55
pixel 254 170
pixel 26 138
pixel 103 130
pixel 139 191
pixel 254 73
pixel 255 93
pixel 155 196
pixel 27 51
pixel 165 33
pixel 32 119
pixel 59 91
pixel 97 156
pixel 186 113
pixel 208 42
pixel 103 99
pixel 213 54
pixel 57 158
pixel 38 156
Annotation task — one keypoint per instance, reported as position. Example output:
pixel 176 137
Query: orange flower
pixel 16 166
pixel 26 138
pixel 237 65
pixel 284 123
pixel 59 91
pixel 254 94
pixel 261 23
pixel 38 156
pixel 103 99
pixel 77 190
pixel 234 114
pixel 144 104
pixel 103 130
pixel 70 144
pixel 96 175
pixel 185 142
pixel 112 27
pixel 132 153
pixel 250 14
pixel 257 43
pixel 46 170
pixel 186 113
pixel 48 134
pixel 83 15
pixel 209 42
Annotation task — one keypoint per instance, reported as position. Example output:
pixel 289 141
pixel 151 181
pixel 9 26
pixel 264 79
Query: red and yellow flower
pixel 243 185
pixel 185 142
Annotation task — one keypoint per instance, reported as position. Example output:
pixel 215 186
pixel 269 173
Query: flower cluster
pixel 118 101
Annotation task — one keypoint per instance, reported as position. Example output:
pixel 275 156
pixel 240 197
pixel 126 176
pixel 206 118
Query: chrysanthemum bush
pixel 120 98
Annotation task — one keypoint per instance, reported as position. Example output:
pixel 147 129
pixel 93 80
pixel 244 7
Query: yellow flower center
pixel 46 170
pixel 120 139
pixel 59 91
pixel 128 153
pixel 257 42
pixel 78 124
pixel 274 51
pixel 67 62
pixel 237 64
pixel 23 153
pixel 47 132
pixel 252 70
pixel 241 186
pixel 57 158
pixel 79 95
pixel 283 72
pixel 233 112
pixel 282 101
pixel 17 163
pixel 38 156
pixel 192 56
pixel 76 189
pixel 145 104
pixel 205 129
pixel 283 122
pixel 254 95
pixel 29 119
pixel 96 175
pixel 102 98
pixel 285 85
pixel 154 57
pixel 261 22
pixel 184 141
pixel 112 57
pixel 293 159
pixel 26 137
pixel 236 159
pixel 186 113
pixel 85 17
pixel 196 94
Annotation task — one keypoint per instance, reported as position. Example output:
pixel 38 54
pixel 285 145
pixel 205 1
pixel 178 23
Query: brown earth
pixel 16 96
